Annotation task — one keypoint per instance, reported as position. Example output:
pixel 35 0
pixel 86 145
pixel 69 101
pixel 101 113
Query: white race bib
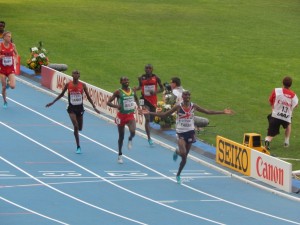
pixel 186 123
pixel 148 89
pixel 76 98
pixel 7 61
pixel 128 104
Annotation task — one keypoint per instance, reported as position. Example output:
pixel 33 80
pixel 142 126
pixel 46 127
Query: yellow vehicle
pixel 253 140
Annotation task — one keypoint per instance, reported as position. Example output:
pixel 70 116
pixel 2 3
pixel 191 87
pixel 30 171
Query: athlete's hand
pixel 229 111
pixel 49 104
pixel 145 111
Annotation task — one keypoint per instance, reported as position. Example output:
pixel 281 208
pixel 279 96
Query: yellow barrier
pixel 233 155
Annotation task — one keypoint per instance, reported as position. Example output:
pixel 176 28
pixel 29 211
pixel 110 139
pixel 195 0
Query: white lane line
pixel 153 170
pixel 176 201
pixel 194 158
pixel 81 181
pixel 96 175
pixel 33 212
pixel 190 156
pixel 53 188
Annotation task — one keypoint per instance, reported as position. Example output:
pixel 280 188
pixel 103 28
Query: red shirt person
pixel 75 108
pixel 150 85
pixel 283 101
pixel 8 52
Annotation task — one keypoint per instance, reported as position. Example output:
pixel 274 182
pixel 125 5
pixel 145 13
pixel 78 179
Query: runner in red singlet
pixel 75 108
pixel 148 84
pixel 8 53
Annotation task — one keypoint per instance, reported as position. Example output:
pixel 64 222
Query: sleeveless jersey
pixel 185 119
pixel 8 59
pixel 75 94
pixel 126 100
pixel 148 86
pixel 283 102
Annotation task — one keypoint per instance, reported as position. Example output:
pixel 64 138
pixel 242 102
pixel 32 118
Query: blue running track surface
pixel 44 182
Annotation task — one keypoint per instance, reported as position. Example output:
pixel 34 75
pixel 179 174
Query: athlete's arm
pixel 89 97
pixel 59 96
pixel 115 95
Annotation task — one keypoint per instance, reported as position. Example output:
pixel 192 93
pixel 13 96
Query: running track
pixel 43 181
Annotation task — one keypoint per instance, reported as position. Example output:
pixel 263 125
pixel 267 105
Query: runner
pixel 8 52
pixel 126 104
pixel 75 108
pixel 185 128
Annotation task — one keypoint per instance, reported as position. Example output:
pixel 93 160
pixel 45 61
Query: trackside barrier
pixel 55 80
pixel 253 163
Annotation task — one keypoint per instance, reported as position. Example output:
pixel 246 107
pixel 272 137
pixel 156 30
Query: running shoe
pixel 178 179
pixel 78 151
pixel 267 145
pixel 150 142
pixel 129 145
pixel 120 160
pixel 175 156
pixel 5 105
pixel 286 145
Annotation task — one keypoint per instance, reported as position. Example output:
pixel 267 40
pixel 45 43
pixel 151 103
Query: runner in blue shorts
pixel 185 128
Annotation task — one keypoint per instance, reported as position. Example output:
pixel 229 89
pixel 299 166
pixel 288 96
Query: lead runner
pixel 185 128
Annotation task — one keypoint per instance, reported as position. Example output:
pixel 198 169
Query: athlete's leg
pixel 3 82
pixel 12 80
pixel 147 123
pixel 132 127
pixel 76 127
pixel 287 134
pixel 80 122
pixel 121 130
pixel 183 154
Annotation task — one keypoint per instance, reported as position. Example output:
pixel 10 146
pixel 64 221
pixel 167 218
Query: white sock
pixel 287 140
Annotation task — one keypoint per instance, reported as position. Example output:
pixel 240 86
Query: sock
pixel 287 140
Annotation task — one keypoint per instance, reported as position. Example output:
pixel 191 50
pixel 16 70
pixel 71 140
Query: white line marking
pixel 175 201
pixel 55 189
pixel 96 175
pixel 291 159
pixel 190 156
pixel 196 159
pixel 33 212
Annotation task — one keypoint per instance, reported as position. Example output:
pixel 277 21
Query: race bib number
pixel 142 102
pixel 76 98
pixel 186 123
pixel 7 61
pixel 129 104
pixel 149 90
